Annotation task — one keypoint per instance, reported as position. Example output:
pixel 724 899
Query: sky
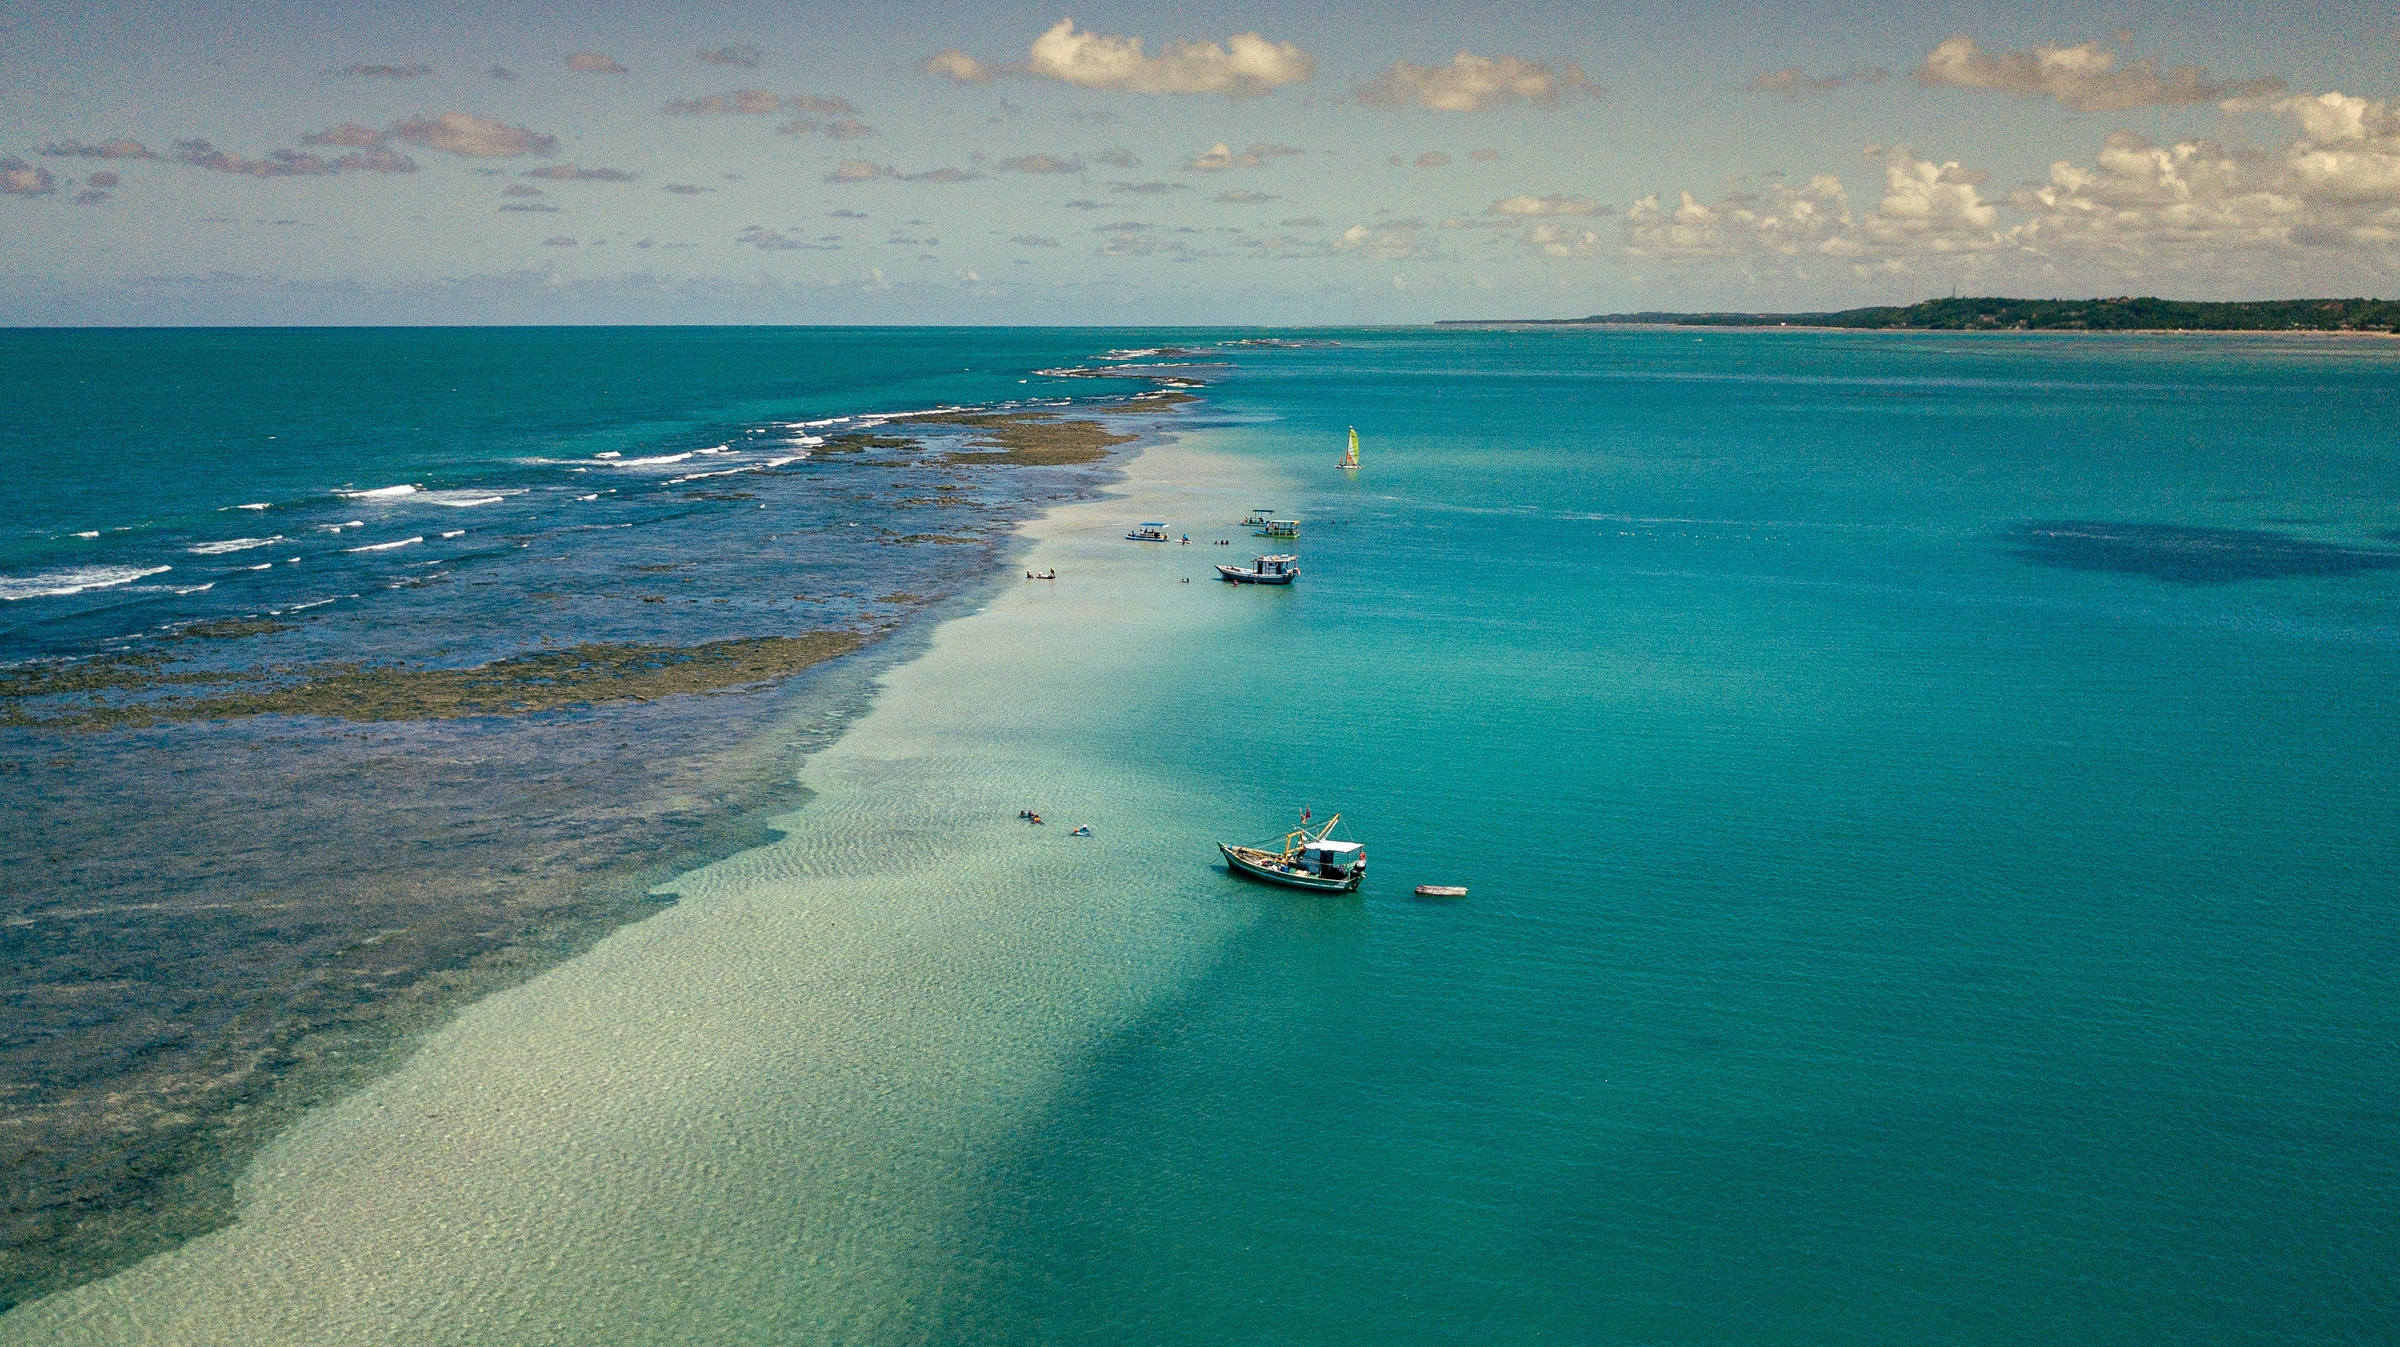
pixel 1217 163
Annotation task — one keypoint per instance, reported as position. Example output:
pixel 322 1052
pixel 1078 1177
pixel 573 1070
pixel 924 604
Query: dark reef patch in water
pixel 2184 555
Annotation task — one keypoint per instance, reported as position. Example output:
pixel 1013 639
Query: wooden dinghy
pixel 1441 891
pixel 1316 863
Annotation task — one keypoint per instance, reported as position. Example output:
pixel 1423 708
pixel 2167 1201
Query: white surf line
pixel 386 547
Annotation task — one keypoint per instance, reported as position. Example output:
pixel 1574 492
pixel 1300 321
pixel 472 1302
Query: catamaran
pixel 1350 460
pixel 1274 570
pixel 1150 531
pixel 1303 862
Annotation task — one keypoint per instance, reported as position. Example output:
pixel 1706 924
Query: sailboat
pixel 1350 460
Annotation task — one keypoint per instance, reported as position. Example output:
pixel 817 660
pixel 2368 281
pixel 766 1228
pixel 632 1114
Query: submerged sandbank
pixel 753 1117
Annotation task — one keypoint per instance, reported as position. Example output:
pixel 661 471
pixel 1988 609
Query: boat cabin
pixel 1331 860
pixel 1150 531
pixel 1275 565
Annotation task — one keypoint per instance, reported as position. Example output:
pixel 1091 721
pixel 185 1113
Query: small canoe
pixel 1441 891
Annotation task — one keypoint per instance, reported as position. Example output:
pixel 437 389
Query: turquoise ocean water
pixel 1929 811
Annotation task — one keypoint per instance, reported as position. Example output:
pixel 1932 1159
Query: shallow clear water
pixel 1929 822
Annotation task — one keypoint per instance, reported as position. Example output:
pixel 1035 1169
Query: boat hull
pixel 1241 577
pixel 1258 865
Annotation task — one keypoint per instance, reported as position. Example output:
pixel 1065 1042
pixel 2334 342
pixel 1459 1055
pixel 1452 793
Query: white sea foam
pixel 779 462
pixel 93 534
pixel 218 549
pixel 454 533
pixel 806 441
pixel 463 499
pixel 198 589
pixel 53 584
pixel 384 547
pixel 312 603
pixel 610 454
pixel 595 495
pixel 379 493
pixel 647 462
pixel 267 565
pixel 258 505
pixel 720 449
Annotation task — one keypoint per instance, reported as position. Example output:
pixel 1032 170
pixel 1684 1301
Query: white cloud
pixel 1042 163
pixel 957 67
pixel 1472 83
pixel 349 135
pixel 1793 84
pixel 1390 241
pixel 739 103
pixel 593 63
pixel 18 178
pixel 120 148
pixel 2085 77
pixel 1555 204
pixel 475 137
pixel 859 170
pixel 1243 66
pixel 1221 156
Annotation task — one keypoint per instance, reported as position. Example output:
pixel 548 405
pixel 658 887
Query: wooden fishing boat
pixel 1316 863
pixel 1274 570
pixel 1441 891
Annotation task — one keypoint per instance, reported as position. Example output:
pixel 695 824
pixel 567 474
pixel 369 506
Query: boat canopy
pixel 1335 848
pixel 1154 523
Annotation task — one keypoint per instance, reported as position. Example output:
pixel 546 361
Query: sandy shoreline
pixel 851 972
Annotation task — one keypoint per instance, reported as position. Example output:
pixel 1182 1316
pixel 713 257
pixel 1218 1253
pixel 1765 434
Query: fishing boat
pixel 1441 891
pixel 1274 570
pixel 1259 515
pixel 1150 531
pixel 1350 460
pixel 1279 528
pixel 1316 863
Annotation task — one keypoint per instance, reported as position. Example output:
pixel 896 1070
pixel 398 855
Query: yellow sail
pixel 1350 460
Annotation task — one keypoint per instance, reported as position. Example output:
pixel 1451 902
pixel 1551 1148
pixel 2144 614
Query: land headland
pixel 2125 313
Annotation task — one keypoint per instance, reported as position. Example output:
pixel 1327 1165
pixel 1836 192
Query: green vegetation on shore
pixel 2125 313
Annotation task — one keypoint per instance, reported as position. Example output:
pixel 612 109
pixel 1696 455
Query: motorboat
pixel 1151 531
pixel 1279 528
pixel 1317 863
pixel 1274 570
pixel 1259 516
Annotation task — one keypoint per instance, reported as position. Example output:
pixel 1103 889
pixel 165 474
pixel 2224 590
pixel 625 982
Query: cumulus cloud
pixel 1043 163
pixel 686 189
pixel 594 63
pixel 1556 204
pixel 1433 159
pixel 1391 241
pixel 103 178
pixel 862 170
pixel 1118 157
pixel 1793 84
pixel 290 163
pixel 1472 83
pixel 1246 65
pixel 2085 77
pixel 1243 196
pixel 386 72
pixel 120 148
pixel 741 55
pixel 739 103
pixel 1564 241
pixel 849 128
pixel 474 137
pixel 349 135
pixel 957 67
pixel 1221 156
pixel 18 178
pixel 578 173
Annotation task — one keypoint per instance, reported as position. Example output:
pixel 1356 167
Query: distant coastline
pixel 2379 317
